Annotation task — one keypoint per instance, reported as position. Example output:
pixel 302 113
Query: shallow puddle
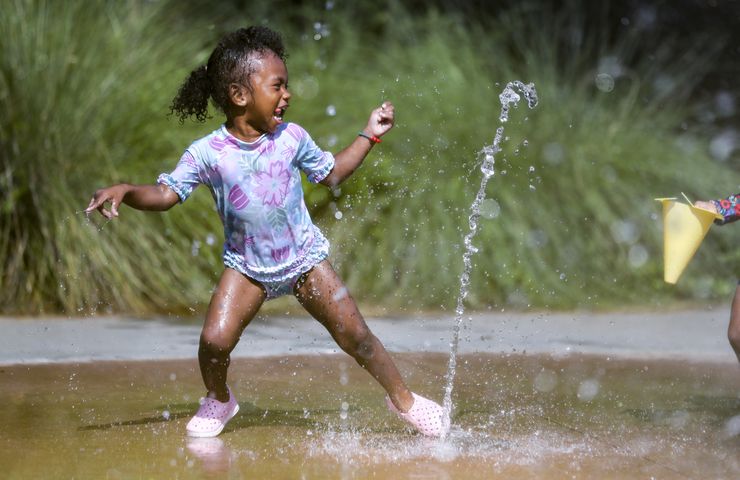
pixel 322 417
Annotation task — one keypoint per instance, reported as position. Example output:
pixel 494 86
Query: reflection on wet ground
pixel 520 416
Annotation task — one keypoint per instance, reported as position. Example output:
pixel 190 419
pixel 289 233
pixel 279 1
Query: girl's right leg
pixel 234 304
pixel 733 331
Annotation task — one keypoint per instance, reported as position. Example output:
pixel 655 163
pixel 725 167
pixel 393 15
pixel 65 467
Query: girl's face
pixel 266 103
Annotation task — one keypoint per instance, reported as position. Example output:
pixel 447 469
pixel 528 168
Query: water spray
pixel 507 97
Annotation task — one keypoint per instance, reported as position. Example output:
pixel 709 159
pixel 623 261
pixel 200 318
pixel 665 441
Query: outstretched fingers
pixel 98 202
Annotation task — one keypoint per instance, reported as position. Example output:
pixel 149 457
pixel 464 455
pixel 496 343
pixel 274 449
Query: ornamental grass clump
pixel 569 220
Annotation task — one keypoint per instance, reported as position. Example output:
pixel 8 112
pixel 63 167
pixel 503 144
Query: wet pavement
pixel 578 395
pixel 698 334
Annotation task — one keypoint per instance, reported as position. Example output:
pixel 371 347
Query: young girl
pixel 729 208
pixel 251 165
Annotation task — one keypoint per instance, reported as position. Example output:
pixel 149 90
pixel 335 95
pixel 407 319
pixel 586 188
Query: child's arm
pixel 141 197
pixel 348 160
pixel 728 207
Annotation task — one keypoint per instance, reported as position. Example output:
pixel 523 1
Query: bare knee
pixel 358 342
pixel 216 342
pixel 366 348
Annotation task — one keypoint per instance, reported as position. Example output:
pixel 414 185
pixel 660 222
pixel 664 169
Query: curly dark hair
pixel 229 63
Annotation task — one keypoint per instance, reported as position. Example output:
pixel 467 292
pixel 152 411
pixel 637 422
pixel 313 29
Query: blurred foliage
pixel 570 220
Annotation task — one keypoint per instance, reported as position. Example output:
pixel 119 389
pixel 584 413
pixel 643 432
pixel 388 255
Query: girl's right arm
pixel 141 197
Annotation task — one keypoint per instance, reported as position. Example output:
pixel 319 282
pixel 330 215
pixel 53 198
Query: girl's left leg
pixel 325 297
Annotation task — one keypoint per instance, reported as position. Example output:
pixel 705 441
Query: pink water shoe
pixel 424 415
pixel 212 416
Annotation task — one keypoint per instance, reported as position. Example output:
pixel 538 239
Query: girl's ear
pixel 239 95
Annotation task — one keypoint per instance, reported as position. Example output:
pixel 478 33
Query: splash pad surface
pixel 516 415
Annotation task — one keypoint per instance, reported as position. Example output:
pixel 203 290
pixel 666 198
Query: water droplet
pixel 612 66
pixel 637 256
pixel 306 87
pixel 545 381
pixel 537 238
pixel 625 231
pixel 724 144
pixel 489 208
pixel 321 30
pixel 678 419
pixel 724 103
pixel 732 426
pixel 553 153
pixel 588 389
pixel 487 171
pixel 604 82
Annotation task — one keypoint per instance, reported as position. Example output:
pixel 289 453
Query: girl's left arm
pixel 348 160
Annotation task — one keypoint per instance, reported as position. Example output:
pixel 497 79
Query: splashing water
pixel 507 97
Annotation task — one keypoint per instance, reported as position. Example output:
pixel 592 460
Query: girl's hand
pixel 706 206
pixel 113 194
pixel 381 120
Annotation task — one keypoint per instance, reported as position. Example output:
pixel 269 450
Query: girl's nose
pixel 286 94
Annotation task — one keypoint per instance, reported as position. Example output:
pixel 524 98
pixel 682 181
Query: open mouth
pixel 279 113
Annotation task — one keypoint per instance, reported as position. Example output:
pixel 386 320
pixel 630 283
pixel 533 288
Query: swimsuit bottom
pixel 285 287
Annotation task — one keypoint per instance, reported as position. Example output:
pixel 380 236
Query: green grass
pixel 85 90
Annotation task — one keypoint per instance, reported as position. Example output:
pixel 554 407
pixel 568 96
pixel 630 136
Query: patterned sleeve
pixel 185 177
pixel 314 162
pixel 729 208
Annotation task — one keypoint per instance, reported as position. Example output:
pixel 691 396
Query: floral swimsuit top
pixel 268 233
pixel 729 208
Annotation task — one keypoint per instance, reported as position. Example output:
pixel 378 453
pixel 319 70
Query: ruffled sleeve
pixel 313 161
pixel 186 176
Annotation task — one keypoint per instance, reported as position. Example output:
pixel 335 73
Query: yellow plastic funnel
pixel 684 228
